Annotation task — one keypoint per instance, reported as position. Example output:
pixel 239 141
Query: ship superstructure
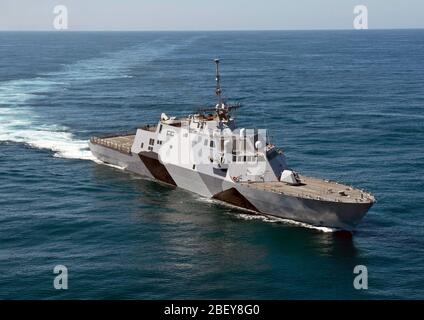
pixel 206 153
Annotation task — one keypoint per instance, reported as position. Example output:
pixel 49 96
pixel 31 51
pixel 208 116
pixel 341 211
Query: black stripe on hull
pixel 234 197
pixel 156 168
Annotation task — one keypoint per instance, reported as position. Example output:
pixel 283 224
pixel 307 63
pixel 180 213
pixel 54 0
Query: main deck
pixel 121 143
pixel 317 189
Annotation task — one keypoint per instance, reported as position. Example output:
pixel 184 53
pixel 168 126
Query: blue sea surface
pixel 344 105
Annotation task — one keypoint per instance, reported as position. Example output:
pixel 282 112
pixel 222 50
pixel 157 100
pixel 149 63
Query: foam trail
pixel 17 125
pixel 18 121
pixel 286 221
pixel 266 218
pixel 108 164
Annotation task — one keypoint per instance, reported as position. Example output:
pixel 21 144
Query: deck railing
pixel 111 144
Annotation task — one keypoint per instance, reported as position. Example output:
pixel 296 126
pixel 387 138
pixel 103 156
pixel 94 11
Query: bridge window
pixel 212 144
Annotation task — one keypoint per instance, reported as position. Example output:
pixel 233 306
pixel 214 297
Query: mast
pixel 218 90
pixel 222 109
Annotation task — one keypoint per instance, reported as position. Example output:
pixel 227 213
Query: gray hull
pixel 320 213
pixel 345 216
pixel 126 161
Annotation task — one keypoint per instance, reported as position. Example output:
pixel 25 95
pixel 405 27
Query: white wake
pixel 52 137
pixel 265 218
pixel 20 124
pixel 285 221
pixel 19 121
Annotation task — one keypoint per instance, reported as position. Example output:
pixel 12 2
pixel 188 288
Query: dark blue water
pixel 343 105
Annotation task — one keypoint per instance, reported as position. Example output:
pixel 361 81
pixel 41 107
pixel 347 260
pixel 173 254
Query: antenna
pixel 218 90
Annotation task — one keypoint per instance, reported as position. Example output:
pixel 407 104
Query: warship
pixel 206 153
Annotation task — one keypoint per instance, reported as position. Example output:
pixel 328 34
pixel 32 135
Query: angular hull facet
pixel 320 213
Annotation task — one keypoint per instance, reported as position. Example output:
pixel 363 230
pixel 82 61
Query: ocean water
pixel 342 104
